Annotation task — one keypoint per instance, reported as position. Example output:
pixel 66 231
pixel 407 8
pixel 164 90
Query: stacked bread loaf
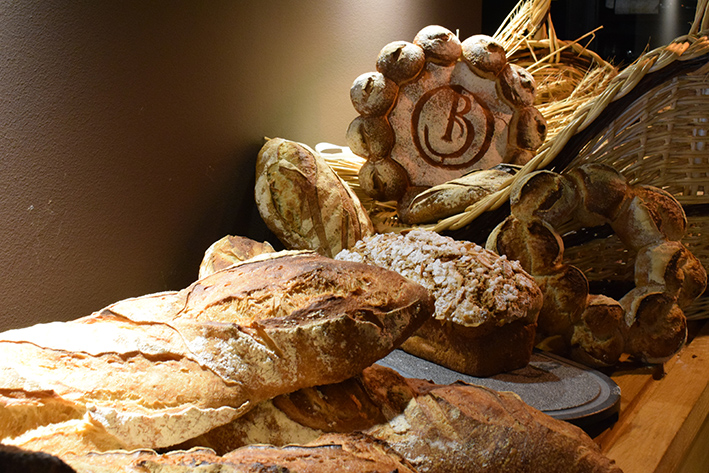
pixel 265 365
pixel 154 371
pixel 648 322
pixel 400 425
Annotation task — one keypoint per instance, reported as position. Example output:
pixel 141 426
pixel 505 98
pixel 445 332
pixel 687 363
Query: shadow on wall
pixel 130 130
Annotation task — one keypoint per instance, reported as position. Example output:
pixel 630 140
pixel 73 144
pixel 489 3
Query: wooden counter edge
pixel 659 425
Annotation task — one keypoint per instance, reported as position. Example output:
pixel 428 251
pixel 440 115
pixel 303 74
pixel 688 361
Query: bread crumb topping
pixel 471 285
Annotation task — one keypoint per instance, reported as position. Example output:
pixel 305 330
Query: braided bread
pixel 648 322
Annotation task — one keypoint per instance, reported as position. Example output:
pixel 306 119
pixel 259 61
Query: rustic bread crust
pixel 483 351
pixel 304 202
pixel 348 453
pixel 231 249
pixel 647 220
pixel 427 427
pixel 486 305
pixel 157 370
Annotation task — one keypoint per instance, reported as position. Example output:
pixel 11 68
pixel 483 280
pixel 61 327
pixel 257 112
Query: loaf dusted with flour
pixel 486 305
pixel 156 370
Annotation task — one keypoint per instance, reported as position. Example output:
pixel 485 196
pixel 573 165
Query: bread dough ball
pixel 401 61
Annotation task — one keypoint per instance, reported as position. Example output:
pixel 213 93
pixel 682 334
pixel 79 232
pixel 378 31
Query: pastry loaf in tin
pixel 486 305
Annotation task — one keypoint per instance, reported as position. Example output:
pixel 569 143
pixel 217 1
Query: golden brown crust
pixel 459 107
pixel 656 325
pixel 599 337
pixel 209 352
pixel 426 427
pixel 517 85
pixel 533 243
pixel 439 44
pixel 229 250
pixel 671 265
pixel 401 61
pixel 355 453
pixel 341 407
pixel 370 137
pixel 383 179
pixel 480 297
pixel 464 428
pixel 453 197
pixel 603 191
pixel 667 214
pixel 303 202
pixel 528 128
pixel 565 294
pixel 477 351
pixel 648 220
pixel 373 94
pixel 484 55
pixel 545 195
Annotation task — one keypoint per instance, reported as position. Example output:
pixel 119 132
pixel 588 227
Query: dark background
pixel 625 35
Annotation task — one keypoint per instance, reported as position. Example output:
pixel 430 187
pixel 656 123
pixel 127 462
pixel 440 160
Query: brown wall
pixel 128 130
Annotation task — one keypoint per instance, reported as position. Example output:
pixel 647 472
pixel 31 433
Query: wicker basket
pixel 650 121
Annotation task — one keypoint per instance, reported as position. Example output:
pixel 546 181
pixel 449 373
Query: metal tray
pixel 556 386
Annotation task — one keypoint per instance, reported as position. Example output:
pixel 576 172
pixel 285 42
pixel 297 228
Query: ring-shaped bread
pixel 648 322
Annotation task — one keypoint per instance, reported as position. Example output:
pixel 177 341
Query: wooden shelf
pixel 663 424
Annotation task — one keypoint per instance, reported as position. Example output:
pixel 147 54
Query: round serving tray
pixel 556 386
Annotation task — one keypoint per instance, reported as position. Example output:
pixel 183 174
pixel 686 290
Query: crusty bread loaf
pixel 436 109
pixel 463 428
pixel 426 427
pixel 304 202
pixel 452 197
pixel 348 453
pixel 648 322
pixel 486 306
pixel 156 370
pixel 229 250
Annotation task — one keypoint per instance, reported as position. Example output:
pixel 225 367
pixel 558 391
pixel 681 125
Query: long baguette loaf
pixel 157 370
pixel 431 428
pixel 346 453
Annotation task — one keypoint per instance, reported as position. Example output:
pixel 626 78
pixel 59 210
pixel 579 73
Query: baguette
pixel 156 370
pixel 425 428
pixel 347 453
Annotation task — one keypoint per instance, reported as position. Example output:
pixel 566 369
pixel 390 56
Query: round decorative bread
pixel 438 108
pixel 648 322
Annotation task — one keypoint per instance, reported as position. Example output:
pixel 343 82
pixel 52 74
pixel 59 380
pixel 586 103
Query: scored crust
pixel 156 370
pixel 428 427
pixel 647 220
pixel 304 202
